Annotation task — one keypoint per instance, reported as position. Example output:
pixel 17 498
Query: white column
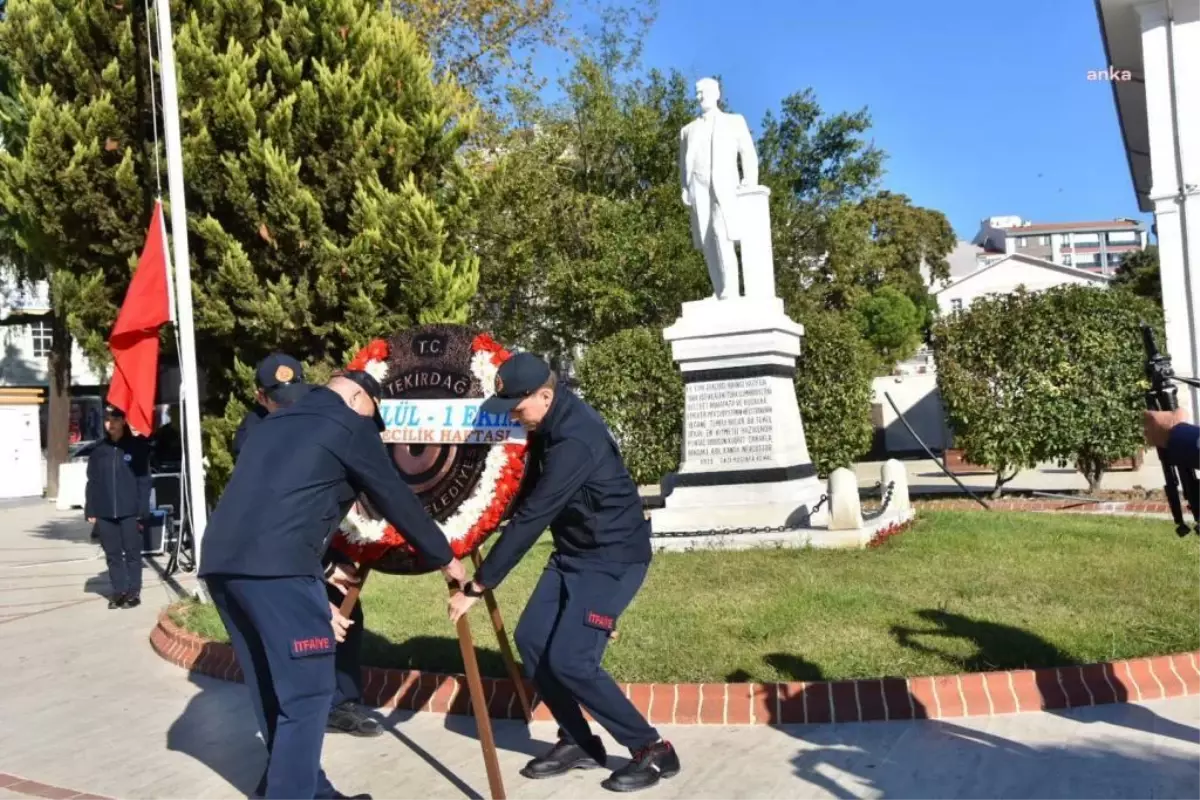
pixel 1171 64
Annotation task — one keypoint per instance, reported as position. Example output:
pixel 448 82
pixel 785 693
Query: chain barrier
pixel 777 529
pixel 868 516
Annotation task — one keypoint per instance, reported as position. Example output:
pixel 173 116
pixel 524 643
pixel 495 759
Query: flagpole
pixel 193 451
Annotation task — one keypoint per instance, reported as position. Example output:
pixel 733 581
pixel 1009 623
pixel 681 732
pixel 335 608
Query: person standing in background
pixel 117 501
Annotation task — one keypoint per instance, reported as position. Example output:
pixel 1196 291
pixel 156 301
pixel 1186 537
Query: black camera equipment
pixel 1161 396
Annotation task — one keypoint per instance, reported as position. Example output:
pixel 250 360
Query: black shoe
pixel 339 796
pixel 648 765
pixel 116 601
pixel 132 601
pixel 348 718
pixel 564 757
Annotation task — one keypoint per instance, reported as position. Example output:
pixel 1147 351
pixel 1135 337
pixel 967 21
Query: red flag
pixel 134 339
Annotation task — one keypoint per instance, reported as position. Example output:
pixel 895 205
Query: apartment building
pixel 1090 246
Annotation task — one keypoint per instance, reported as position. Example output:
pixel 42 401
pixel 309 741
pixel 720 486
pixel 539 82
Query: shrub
pixel 833 389
pixel 630 379
pixel 1052 376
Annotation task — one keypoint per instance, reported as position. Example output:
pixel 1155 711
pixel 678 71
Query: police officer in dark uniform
pixel 116 502
pixel 261 558
pixel 601 554
pixel 280 382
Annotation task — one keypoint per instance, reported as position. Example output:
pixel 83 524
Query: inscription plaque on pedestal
pixel 728 424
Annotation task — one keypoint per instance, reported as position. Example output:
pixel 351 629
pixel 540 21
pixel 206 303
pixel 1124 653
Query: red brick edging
pixel 23 786
pixel 978 694
pixel 1069 506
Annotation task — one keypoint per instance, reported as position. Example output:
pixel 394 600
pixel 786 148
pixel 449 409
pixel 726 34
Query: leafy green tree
pixel 1139 273
pixel 836 236
pixel 72 173
pixel 1053 376
pixel 630 379
pixel 581 233
pixel 490 46
pixel 891 323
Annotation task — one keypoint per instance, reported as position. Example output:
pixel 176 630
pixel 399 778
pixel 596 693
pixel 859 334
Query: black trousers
pixel 348 656
pixel 122 543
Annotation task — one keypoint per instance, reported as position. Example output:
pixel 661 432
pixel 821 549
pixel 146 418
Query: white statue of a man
pixel 709 147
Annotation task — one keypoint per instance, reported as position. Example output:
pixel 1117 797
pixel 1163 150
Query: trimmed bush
pixel 833 389
pixel 1052 376
pixel 630 379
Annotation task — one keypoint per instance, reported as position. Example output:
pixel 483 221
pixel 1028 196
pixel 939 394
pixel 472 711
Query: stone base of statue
pixel 745 460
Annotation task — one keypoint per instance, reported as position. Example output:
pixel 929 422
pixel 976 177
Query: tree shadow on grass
pixel 998 646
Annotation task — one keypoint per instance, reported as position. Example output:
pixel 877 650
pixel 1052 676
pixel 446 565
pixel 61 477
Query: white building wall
pixel 20 364
pixel 1005 278
pixel 1171 64
pixel 919 401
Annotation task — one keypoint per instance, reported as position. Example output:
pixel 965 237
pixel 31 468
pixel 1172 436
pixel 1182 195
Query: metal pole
pixel 941 465
pixel 193 451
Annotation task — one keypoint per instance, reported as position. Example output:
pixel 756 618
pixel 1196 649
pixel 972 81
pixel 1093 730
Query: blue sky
pixel 982 108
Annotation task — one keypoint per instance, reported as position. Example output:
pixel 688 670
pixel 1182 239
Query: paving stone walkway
pixel 87 709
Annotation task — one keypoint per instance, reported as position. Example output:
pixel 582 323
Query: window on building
pixel 1067 259
pixel 1022 241
pixel 43 339
pixel 1087 239
pixel 1122 237
pixel 956 304
pixel 1044 241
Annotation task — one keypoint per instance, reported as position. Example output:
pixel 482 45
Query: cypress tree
pixel 328 197
pixel 71 173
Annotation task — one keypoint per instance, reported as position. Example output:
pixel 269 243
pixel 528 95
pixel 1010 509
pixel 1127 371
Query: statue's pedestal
pixel 745 459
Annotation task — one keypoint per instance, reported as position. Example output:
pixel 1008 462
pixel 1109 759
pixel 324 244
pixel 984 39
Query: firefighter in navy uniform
pixel 279 382
pixel 586 496
pixel 117 502
pixel 279 379
pixel 261 558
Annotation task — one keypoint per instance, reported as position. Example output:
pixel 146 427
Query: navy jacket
pixel 296 478
pixel 581 490
pixel 254 416
pixel 118 479
pixel 248 425
pixel 1183 448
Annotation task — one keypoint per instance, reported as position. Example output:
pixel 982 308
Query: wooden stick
pixel 510 663
pixel 352 594
pixel 479 702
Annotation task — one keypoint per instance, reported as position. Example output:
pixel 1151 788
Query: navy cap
pixel 520 376
pixel 368 384
pixel 114 412
pixel 281 378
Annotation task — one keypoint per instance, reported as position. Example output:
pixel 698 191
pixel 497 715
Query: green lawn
pixel 959 591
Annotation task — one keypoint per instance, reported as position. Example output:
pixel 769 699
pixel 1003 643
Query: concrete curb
pixel 941 697
pixel 27 788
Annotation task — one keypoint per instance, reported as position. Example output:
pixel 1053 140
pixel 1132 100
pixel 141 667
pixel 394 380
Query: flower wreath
pixel 366 540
